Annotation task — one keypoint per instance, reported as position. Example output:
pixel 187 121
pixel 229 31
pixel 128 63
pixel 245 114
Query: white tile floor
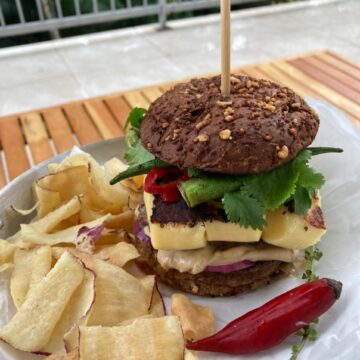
pixel 60 71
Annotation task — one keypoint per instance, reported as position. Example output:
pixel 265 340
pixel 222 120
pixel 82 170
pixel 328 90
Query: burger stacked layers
pixel 230 199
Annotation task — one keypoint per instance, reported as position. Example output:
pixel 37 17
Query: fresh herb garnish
pixel 135 154
pixel 239 206
pixel 308 332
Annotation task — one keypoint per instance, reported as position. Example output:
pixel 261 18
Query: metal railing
pixel 50 16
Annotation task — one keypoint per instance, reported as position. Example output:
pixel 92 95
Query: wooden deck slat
pixel 103 120
pixel 281 77
pixel 59 130
pixel 152 93
pixel 119 108
pixel 342 66
pixel 14 147
pixel 81 123
pixel 329 81
pixel 36 136
pixel 344 60
pixel 325 92
pixel 334 73
pixel 255 72
pixel 136 99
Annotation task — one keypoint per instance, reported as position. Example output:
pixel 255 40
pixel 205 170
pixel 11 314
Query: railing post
pixel 162 14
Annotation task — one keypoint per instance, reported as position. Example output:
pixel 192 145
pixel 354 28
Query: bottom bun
pixel 211 283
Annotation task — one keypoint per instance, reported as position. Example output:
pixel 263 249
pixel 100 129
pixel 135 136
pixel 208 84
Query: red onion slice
pixel 140 233
pixel 241 265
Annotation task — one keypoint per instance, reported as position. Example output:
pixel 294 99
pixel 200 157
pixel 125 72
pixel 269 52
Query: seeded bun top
pixel 256 128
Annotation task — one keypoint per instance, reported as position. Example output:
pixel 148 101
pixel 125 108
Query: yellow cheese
pixel 177 236
pixel 290 231
pixel 174 236
pixel 218 230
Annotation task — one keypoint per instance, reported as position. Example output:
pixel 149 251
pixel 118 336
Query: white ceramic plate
pixel 339 328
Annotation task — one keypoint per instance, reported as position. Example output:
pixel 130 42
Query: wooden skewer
pixel 225 8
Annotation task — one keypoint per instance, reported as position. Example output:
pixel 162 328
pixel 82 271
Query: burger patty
pixel 210 283
pixel 178 212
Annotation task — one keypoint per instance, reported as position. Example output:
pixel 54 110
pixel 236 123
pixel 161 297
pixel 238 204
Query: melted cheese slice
pixel 174 236
pixel 195 261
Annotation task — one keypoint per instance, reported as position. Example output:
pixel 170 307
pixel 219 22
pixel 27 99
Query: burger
pixel 230 200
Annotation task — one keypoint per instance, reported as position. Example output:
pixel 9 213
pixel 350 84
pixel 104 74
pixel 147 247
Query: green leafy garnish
pixel 308 332
pixel 274 187
pixel 137 154
pixel 302 200
pixel 240 207
pixel 134 119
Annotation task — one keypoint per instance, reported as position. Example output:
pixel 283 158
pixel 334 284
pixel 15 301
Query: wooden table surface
pixel 32 137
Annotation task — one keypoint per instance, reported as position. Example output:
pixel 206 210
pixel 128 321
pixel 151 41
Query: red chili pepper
pixel 164 182
pixel 270 324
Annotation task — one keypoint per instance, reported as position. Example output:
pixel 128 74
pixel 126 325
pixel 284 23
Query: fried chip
pixel 40 266
pixel 125 221
pixel 29 234
pixel 7 251
pixel 21 275
pixel 31 327
pixel 75 311
pixel 55 217
pixel 118 254
pixel 6 267
pixel 115 197
pixel 156 304
pixel 119 295
pixel 73 355
pixel 148 338
pixel 47 200
pixel 197 321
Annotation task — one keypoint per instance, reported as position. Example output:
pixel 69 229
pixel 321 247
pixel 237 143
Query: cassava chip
pixel 115 197
pixel 119 295
pixel 6 267
pixel 76 310
pixel 87 236
pixel 21 275
pixel 31 327
pixel 47 200
pixel 118 254
pixel 55 217
pixel 7 251
pixel 125 221
pixel 24 212
pixel 40 266
pixel 150 339
pixel 29 234
pixel 156 305
pixel 73 355
pixel 197 321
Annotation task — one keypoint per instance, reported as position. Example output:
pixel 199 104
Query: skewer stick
pixel 225 46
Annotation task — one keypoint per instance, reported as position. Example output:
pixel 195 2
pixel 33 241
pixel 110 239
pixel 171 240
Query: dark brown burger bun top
pixel 256 128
